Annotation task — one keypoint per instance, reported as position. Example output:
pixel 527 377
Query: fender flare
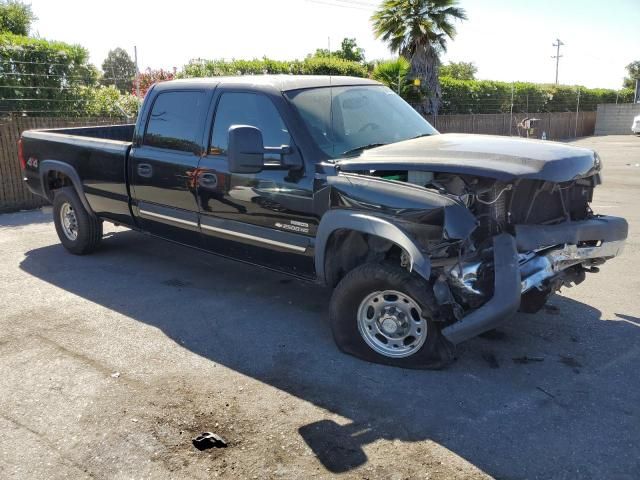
pixel 361 222
pixel 47 166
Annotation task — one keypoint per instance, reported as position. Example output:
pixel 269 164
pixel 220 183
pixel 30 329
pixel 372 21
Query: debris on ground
pixel 208 440
pixel 524 360
pixel 115 375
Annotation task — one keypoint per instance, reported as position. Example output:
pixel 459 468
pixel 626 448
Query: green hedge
pixel 486 96
pixel 308 66
pixel 40 77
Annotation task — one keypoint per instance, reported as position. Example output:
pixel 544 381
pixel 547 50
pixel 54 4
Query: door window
pixel 250 109
pixel 175 121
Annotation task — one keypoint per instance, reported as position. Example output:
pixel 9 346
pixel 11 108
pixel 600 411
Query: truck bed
pixel 97 154
pixel 121 133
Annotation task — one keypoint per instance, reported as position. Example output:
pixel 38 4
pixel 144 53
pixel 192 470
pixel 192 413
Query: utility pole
pixel 135 56
pixel 557 56
pixel 511 112
pixel 329 46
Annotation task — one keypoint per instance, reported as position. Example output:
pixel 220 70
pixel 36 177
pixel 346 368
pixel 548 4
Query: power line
pixel 333 3
pixel 359 2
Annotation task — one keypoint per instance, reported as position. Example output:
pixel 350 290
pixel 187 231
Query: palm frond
pixel 407 24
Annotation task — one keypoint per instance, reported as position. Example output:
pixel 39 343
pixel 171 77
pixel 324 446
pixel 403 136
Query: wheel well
pixel 55 180
pixel 346 249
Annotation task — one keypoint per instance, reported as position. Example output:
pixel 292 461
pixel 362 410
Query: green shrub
pixel 396 74
pixel 487 96
pixel 39 77
pixel 308 66
pixel 106 102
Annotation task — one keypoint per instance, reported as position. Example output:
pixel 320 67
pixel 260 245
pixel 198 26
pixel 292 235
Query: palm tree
pixel 395 75
pixel 418 30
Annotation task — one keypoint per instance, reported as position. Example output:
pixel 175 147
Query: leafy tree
pixel 15 17
pixel 349 51
pixel 633 70
pixel 459 70
pixel 396 74
pixel 107 101
pixel 150 77
pixel 419 31
pixel 119 70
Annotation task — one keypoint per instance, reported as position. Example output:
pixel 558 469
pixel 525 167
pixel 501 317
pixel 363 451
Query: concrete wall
pixel 616 119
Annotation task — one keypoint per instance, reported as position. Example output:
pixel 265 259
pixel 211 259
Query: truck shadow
pixel 539 398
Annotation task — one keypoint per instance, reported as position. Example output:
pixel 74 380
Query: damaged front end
pixel 528 238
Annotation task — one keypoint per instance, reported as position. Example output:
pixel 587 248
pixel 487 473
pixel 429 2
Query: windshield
pixel 347 120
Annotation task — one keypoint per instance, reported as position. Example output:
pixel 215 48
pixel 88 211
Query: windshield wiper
pixel 363 147
pixel 422 135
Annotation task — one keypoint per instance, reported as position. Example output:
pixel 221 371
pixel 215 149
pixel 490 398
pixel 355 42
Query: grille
pixel 537 202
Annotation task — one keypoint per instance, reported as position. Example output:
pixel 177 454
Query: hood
pixel 502 158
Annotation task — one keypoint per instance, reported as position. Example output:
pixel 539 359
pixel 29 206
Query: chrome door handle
pixel 145 170
pixel 208 180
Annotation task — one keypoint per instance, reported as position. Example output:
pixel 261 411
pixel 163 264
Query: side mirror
pixel 245 152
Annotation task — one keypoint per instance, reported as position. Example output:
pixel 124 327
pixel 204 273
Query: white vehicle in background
pixel 635 126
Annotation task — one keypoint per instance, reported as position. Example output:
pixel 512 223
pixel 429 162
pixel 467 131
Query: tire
pixel 533 300
pixel 87 228
pixel 359 332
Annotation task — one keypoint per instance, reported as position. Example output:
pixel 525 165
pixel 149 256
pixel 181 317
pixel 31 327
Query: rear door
pixel 162 168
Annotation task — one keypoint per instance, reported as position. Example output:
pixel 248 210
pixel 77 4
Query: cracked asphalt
pixel 111 363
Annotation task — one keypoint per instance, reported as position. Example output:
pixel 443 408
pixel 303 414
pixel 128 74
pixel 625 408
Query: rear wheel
pixel 79 232
pixel 382 313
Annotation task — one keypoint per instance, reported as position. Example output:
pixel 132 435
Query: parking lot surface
pixel 111 363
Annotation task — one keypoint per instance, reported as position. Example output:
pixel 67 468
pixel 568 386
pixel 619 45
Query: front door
pixel 163 167
pixel 264 218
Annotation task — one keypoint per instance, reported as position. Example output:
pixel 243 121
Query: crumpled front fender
pixel 369 224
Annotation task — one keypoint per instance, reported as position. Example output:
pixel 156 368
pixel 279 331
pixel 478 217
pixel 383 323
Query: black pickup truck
pixel 428 239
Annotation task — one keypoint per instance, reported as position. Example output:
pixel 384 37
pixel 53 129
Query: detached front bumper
pixel 535 257
pixel 540 268
pixel 551 249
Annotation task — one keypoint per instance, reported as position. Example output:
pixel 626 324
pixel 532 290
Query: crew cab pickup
pixel 427 239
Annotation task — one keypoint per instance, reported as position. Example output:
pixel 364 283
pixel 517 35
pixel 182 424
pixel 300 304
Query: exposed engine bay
pixel 464 271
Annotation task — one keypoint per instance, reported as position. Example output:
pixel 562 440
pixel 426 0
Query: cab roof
pixel 281 83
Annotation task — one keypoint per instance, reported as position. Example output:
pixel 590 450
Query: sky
pixel 508 40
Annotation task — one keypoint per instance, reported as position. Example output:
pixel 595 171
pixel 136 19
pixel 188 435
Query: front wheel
pixel 383 314
pixel 79 231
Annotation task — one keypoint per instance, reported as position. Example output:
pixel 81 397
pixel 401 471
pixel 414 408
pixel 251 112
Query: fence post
pixel 575 132
pixel 511 112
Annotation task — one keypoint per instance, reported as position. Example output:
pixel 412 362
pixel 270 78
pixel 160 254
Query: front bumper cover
pixel 602 228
